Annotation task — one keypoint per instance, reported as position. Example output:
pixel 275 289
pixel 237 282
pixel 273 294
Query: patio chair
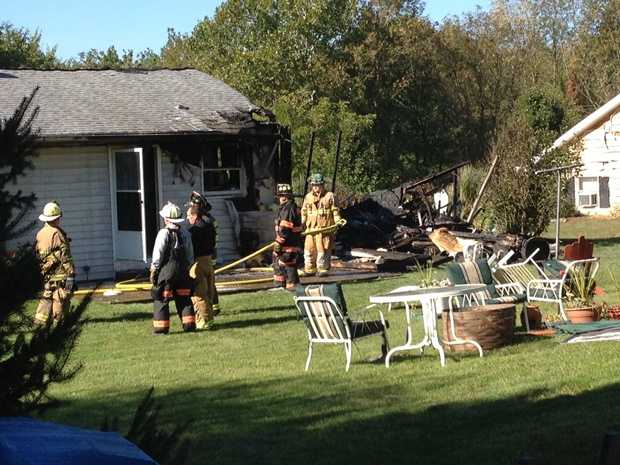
pixel 546 283
pixel 479 272
pixel 324 312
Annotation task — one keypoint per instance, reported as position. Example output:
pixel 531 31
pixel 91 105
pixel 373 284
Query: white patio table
pixel 428 298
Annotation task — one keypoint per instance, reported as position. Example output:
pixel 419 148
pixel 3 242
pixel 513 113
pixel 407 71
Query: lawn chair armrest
pixel 509 289
pixel 573 264
pixel 544 284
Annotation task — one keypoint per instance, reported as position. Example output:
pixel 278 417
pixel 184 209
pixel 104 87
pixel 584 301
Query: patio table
pixel 428 298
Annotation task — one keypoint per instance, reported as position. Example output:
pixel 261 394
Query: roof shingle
pixel 109 103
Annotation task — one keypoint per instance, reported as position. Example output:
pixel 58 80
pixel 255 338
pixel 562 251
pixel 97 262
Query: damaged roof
pixel 87 103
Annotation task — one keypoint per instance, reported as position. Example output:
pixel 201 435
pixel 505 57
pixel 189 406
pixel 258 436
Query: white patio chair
pixel 539 285
pixel 327 324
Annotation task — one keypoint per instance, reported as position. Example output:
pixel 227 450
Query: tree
pixel 594 61
pixel 18 145
pixel 110 59
pixel 168 448
pixel 523 202
pixel 21 48
pixel 31 357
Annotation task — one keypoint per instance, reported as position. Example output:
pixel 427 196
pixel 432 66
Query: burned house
pixel 115 145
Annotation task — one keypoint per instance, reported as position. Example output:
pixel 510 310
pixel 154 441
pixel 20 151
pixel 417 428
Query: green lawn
pixel 251 401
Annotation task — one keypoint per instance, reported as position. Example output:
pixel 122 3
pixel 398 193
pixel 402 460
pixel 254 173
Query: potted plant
pixel 580 289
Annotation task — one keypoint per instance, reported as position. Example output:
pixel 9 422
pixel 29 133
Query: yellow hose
pixel 246 258
pixel 133 285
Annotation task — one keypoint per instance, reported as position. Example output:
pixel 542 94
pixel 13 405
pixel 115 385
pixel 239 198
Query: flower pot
pixel 613 312
pixel 534 317
pixel 582 315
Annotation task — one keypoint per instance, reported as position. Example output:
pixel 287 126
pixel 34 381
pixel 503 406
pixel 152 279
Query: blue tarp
pixel 25 441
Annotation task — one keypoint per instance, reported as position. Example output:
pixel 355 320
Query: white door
pixel 128 168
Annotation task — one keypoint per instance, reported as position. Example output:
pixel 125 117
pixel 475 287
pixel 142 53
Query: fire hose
pixel 134 285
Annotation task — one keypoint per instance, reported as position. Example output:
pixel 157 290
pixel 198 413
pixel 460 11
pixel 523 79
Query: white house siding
pixel 601 159
pixel 79 179
pixel 177 190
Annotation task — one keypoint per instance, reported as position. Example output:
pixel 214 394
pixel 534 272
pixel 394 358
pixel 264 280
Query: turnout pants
pixel 285 269
pixel 54 301
pixel 205 292
pixel 318 253
pixel 161 309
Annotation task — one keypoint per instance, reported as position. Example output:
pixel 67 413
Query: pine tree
pixel 31 357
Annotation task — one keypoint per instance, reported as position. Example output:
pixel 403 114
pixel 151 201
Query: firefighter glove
pixel 69 284
pixel 277 248
pixel 153 277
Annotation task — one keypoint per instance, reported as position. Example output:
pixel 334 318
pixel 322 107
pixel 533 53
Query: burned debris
pixel 420 222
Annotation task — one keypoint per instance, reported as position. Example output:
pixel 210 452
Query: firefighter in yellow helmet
pixel 318 210
pixel 52 247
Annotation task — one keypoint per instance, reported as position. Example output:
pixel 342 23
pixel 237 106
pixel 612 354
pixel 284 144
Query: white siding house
pixel 597 188
pixel 116 145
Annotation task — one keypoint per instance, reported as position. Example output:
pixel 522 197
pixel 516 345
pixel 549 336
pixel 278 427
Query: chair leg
pixel 347 351
pixel 561 306
pixel 309 355
pixel 526 317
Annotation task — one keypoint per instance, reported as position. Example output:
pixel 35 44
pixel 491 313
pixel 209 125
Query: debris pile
pixel 419 222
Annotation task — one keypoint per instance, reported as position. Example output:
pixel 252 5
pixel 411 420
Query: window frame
pixel 588 192
pixel 241 169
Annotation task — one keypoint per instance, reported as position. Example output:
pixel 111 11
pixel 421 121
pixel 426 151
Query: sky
pixel 75 26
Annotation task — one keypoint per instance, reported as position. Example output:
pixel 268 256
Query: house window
pixel 587 193
pixel 222 170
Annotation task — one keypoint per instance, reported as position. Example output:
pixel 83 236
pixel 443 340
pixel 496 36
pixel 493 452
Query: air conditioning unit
pixel 588 200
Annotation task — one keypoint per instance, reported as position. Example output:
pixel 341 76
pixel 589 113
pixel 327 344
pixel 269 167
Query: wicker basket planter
pixel 491 326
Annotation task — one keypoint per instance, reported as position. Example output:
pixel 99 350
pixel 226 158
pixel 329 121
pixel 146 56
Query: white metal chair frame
pixel 461 302
pixel 546 289
pixel 326 326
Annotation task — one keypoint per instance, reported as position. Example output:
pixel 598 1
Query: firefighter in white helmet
pixel 52 246
pixel 173 255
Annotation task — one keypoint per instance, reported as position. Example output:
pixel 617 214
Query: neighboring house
pixel 116 145
pixel 597 189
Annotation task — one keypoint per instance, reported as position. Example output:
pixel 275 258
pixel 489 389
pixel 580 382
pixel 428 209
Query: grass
pixel 252 403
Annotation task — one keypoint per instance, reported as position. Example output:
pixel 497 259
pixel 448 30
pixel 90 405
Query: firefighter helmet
pixel 196 199
pixel 284 190
pixel 51 212
pixel 171 212
pixel 317 179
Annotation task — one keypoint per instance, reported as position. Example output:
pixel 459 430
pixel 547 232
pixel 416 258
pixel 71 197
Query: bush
pixel 522 202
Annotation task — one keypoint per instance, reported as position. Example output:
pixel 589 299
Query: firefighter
pixel 203 240
pixel 318 211
pixel 203 204
pixel 52 247
pixel 172 256
pixel 286 251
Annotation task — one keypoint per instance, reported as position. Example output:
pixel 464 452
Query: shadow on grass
pixel 254 322
pixel 278 308
pixel 278 422
pixel 129 316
